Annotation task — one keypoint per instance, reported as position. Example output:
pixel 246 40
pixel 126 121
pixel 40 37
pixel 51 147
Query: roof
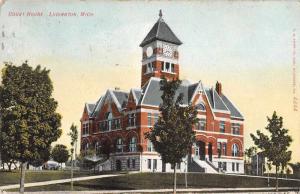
pixel 122 97
pixel 137 93
pixel 90 108
pixel 161 31
pixel 152 93
pixel 233 110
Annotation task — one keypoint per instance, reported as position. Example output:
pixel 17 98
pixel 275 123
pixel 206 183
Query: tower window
pixel 167 66
pixel 153 66
pixel 172 68
pixel 162 66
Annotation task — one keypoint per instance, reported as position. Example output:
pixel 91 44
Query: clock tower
pixel 160 52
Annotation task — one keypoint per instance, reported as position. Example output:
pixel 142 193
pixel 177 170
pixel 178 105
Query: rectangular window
pixel 153 66
pixel 224 145
pixel 149 163
pixel 85 128
pixel 202 124
pixel 235 128
pixel 149 146
pixel 178 165
pixel 168 67
pixel 219 149
pixel 162 66
pixel 149 117
pixel 133 163
pixel 128 163
pixel 131 120
pixel 154 164
pixel 155 118
pixel 224 166
pixel 172 68
pixel 219 164
pixel 222 126
pixel 233 166
pixel 237 167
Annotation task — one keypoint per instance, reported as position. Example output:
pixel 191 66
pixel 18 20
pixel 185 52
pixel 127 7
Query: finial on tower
pixel 160 13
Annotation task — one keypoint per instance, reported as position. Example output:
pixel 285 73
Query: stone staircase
pixel 207 166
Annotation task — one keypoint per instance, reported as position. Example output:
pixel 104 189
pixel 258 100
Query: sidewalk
pixel 16 186
pixel 283 190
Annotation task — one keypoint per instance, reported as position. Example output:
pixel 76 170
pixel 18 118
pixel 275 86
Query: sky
pixel 247 46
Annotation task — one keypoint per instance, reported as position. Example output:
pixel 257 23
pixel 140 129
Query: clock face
pixel 149 51
pixel 167 50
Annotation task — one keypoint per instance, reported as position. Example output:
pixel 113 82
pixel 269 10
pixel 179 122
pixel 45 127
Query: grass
pixel 7 178
pixel 164 181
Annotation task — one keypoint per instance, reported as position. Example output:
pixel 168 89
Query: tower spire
pixel 160 14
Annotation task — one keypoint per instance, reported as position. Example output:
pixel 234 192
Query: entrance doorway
pixel 201 146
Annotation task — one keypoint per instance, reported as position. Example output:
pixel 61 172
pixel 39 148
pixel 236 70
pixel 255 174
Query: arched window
pixel 119 145
pixel 200 107
pixel 132 144
pixel 235 150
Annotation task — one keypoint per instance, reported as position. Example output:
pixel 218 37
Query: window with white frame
pixel 131 120
pixel 172 68
pixel 155 118
pixel 233 166
pixel 202 125
pixel 235 150
pixel 219 147
pixel 150 146
pixel 149 119
pixel 224 148
pixel 222 126
pixel 132 144
pixel 237 167
pixel 235 128
pixel 149 163
pixel 117 124
pixel 85 128
pixel 154 164
pixel 119 145
pixel 97 147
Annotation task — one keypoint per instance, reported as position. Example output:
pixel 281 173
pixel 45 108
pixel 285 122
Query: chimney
pixel 219 88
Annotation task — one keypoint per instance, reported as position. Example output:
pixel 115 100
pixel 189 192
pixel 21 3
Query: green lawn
pixel 164 180
pixel 7 178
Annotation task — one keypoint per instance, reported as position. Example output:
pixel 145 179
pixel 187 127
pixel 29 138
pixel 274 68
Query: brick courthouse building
pixel 116 123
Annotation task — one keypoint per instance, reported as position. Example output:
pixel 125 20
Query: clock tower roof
pixel 161 31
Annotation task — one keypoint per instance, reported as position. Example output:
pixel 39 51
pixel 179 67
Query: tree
pixel 29 119
pixel 74 137
pixel 275 146
pixel 173 126
pixel 60 154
